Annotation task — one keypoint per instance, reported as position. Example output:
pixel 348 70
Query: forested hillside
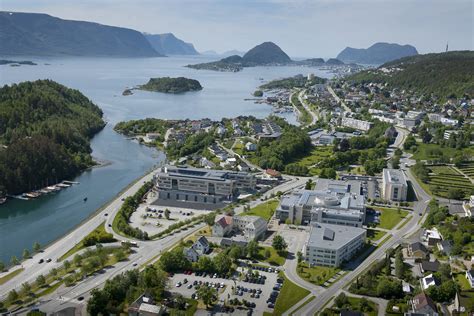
pixel 45 129
pixel 444 75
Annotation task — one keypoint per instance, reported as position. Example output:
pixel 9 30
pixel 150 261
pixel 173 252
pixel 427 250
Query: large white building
pixel 206 186
pixel 333 202
pixel 394 185
pixel 357 124
pixel 331 245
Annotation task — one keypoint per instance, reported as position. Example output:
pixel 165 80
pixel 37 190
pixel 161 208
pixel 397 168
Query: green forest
pixel 45 129
pixel 445 75
pixel 298 81
pixel 171 85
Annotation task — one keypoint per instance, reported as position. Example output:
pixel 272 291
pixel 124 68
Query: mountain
pixel 444 74
pixel 378 53
pixel 168 44
pixel 267 53
pixel 45 35
pixel 334 61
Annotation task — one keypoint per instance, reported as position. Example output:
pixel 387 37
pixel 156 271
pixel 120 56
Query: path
pixel 338 100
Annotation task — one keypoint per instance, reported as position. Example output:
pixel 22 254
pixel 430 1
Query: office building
pixel 394 185
pixel 331 245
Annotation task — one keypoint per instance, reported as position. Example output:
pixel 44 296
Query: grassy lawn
pixel 462 281
pixel 467 300
pixel 10 276
pixel 264 210
pixel 99 231
pixel 434 151
pixel 390 217
pixel 353 304
pixel 374 235
pixel 303 305
pixel 317 275
pixel 317 154
pixel 290 294
pixel 275 259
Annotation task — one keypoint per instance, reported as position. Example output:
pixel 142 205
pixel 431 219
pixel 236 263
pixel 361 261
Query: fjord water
pixel 103 81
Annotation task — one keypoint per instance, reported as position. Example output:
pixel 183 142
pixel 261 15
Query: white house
pixel 251 146
pixel 428 281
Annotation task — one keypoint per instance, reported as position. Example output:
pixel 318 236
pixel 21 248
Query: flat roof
pixel 198 173
pixel 394 176
pixel 331 236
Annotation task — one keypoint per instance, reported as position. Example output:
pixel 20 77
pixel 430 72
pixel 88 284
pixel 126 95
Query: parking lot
pixel 256 288
pixel 152 218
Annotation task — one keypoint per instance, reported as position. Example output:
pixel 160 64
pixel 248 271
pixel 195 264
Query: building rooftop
pixel 332 236
pixel 188 172
pixel 394 176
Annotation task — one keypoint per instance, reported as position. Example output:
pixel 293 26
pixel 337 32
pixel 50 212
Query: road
pixel 397 238
pixel 147 252
pixel 314 116
pixel 338 100
pixel 54 251
pixel 233 153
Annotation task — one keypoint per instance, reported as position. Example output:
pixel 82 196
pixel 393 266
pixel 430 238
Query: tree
pixel 328 173
pixel 26 254
pixel 210 218
pixel 341 300
pixel 12 296
pixel 77 260
pixel 26 288
pixel 299 255
pixel 410 141
pixel 364 305
pixel 207 294
pixel 53 272
pixel 2 266
pixel 40 280
pixel 167 213
pixel 68 281
pixel 309 184
pixel 120 254
pixel 205 263
pixel 222 263
pixel 236 252
pixel 36 246
pixel 252 249
pixel 455 193
pixel 267 253
pixel 399 265
pixel 279 243
pixel 67 265
pixel 14 261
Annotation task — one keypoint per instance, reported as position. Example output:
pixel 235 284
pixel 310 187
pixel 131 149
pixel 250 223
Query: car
pixel 185 281
pixel 48 260
pixel 110 225
pixel 178 284
pixel 252 295
pixel 193 296
pixel 195 282
pixel 122 199
pixel 134 264
pixel 257 295
pixel 205 274
pixel 80 298
pixel 190 286
pixel 271 305
pixel 215 275
pixel 276 288
pixel 222 284
pixel 420 214
pixel 106 214
pixel 41 261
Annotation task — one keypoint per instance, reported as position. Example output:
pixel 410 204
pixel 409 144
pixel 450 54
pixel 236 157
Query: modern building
pixel 356 124
pixel 332 202
pixel 206 186
pixel 331 245
pixel 432 237
pixel 394 185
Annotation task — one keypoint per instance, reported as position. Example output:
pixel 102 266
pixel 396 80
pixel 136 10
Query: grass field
pixel 10 276
pixel 317 154
pixel 390 217
pixel 462 281
pixel 443 178
pixel 375 235
pixel 317 275
pixel 434 151
pixel 264 210
pixel 275 259
pixel 290 294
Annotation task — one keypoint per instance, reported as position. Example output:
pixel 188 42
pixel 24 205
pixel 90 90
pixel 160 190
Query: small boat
pixel 85 199
pixel 63 185
pixel 3 200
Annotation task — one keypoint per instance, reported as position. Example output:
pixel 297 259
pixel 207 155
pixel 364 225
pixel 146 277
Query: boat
pixel 63 185
pixel 85 199
pixel 3 200
pixel 53 188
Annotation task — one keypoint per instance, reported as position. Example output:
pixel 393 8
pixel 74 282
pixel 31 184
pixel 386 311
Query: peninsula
pixel 171 85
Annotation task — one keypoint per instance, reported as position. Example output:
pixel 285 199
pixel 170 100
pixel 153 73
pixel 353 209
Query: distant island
pixel 265 54
pixel 35 34
pixel 44 137
pixel 168 44
pixel 171 85
pixel 378 53
pixel 14 62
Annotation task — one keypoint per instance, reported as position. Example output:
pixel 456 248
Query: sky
pixel 302 28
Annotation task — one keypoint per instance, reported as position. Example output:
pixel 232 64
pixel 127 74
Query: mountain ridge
pixel 169 44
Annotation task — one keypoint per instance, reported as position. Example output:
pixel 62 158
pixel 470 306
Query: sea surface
pixel 103 80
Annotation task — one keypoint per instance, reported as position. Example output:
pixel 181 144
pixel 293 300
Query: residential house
pixel 222 226
pixel 429 266
pixel 417 250
pixel 201 246
pixel 191 254
pixel 432 237
pixel 470 277
pixel 145 306
pixel 422 304
pixel 250 146
pixel 428 281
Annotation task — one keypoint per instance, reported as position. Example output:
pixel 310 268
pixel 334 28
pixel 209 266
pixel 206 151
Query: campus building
pixel 253 227
pixel 332 202
pixel 394 185
pixel 206 186
pixel 331 245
